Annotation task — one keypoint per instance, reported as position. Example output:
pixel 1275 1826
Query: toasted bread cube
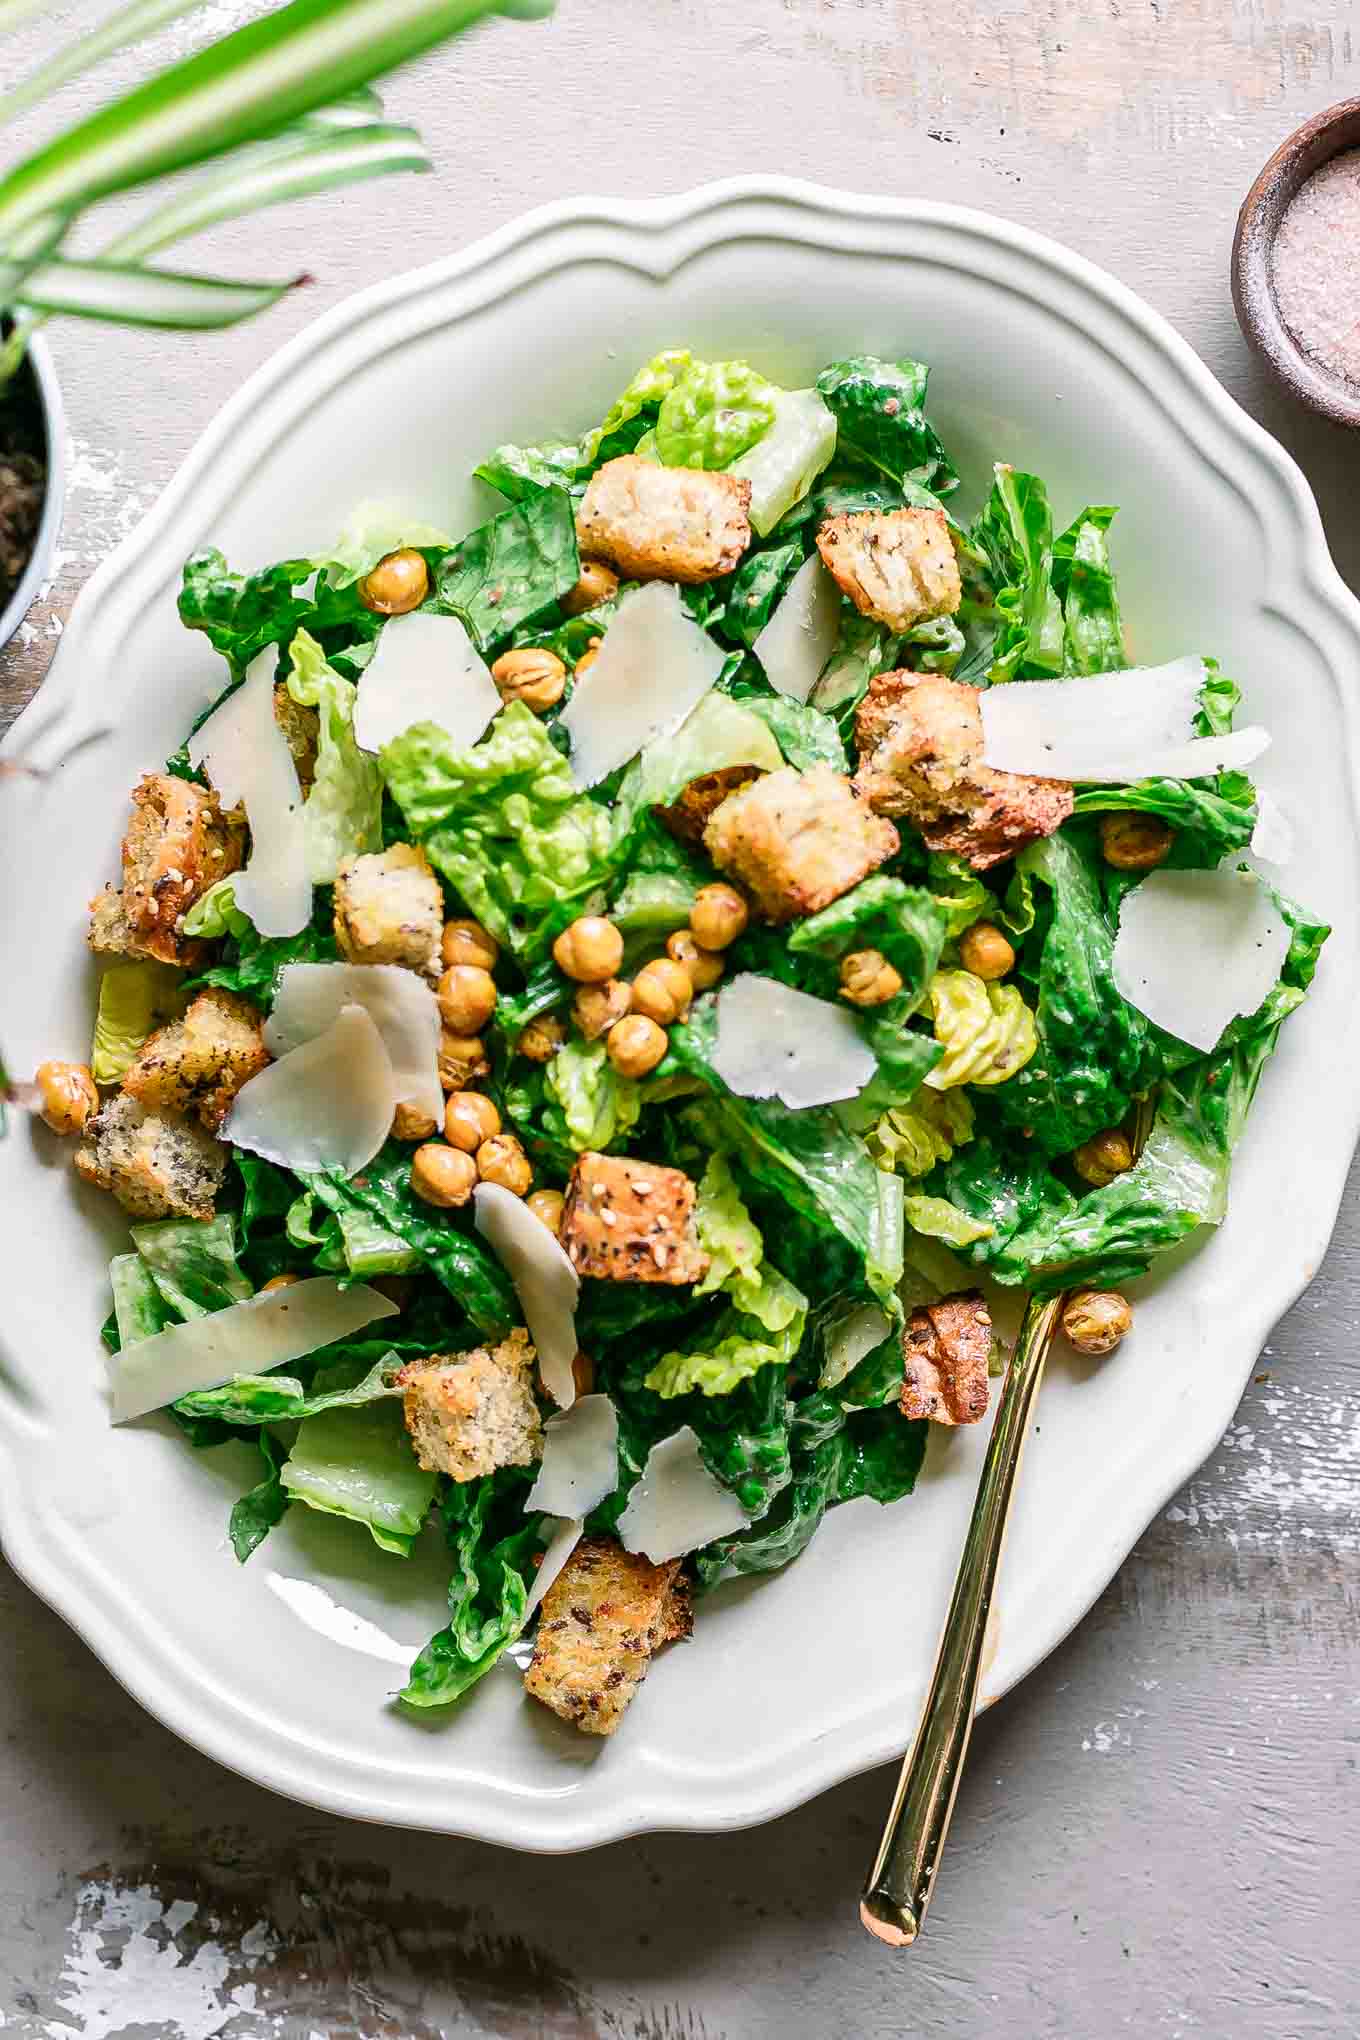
pixel 198 1064
pixel 687 816
pixel 157 1167
pixel 469 1413
pixel 798 840
pixel 389 909
pixel 664 523
pixel 604 1618
pixel 301 727
pixel 627 1221
pixel 897 566
pixel 178 843
pixel 946 1348
pixel 920 756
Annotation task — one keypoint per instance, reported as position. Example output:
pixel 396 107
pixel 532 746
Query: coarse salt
pixel 1315 266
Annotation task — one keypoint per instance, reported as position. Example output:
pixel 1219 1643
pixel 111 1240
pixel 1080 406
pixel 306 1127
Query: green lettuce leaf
pixel 756 589
pixel 879 409
pixel 216 913
pixel 712 413
pixel 1014 531
pixel 910 1139
pixel 805 736
pixel 262 1507
pixel 193 1263
pixel 986 1030
pixel 504 822
pixel 788 457
pixel 718 733
pixel 140 1310
pixel 597 1104
pixel 371 532
pixel 1084 583
pixel 495 1547
pixel 252 962
pixel 342 815
pixel 275 1398
pixel 512 568
pixel 938 1219
pixel 359 1462
pixel 241 614
pixel 903 921
pixel 134 1000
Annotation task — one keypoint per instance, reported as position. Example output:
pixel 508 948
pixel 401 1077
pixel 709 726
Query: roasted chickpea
pixel 596 1007
pixel 469 1119
pixel 663 991
pixel 587 658
pixel 409 1124
pixel 984 950
pixel 277 1282
pixel 442 1175
pixel 68 1095
pixel 399 582
pixel 590 950
pixel 542 1038
pixel 1103 1157
pixel 502 1160
pixel 583 1372
pixel 718 916
pixel 635 1045
pixel 533 675
pixel 1095 1320
pixel 468 942
pixel 467 997
pixel 1133 842
pixel 703 966
pixel 547 1205
pixel 462 1059
pixel 598 583
pixel 868 979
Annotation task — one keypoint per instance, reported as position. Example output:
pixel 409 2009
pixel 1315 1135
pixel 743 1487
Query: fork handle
pixel 897 1894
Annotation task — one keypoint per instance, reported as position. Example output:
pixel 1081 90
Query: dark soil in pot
pixel 23 477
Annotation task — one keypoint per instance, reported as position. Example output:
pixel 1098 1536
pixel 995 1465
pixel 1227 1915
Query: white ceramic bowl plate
pixel 283 1668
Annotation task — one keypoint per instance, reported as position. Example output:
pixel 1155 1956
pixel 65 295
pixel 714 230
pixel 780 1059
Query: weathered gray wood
pixel 1157 1833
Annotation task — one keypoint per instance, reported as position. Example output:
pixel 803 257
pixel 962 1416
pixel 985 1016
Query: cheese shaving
pixel 677 1505
pixel 1272 840
pixel 849 1339
pixel 580 1459
pixel 654 665
pixel 246 758
pixel 801 635
pixel 425 669
pixel 545 1282
pixel 561 1545
pixel 326 1105
pixel 1111 728
pixel 264 1332
pixel 403 1008
pixel 1197 948
pixel 776 1042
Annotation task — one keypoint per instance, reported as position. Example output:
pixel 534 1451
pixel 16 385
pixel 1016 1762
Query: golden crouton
pixel 687 815
pixel 604 1618
pixel 389 909
pixel 664 523
pixel 946 1348
pixel 627 1221
pixel 920 755
pixel 798 840
pixel 156 1167
pixel 198 1064
pixel 472 1412
pixel 178 843
pixel 301 727
pixel 897 566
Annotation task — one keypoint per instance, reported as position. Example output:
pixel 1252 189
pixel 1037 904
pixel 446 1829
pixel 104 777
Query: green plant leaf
pixel 134 296
pixel 82 52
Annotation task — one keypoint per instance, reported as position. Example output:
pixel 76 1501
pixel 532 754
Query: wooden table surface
pixel 1157 1833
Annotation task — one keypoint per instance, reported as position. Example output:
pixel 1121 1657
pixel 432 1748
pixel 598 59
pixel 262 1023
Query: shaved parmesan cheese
pixel 849 1339
pixel 580 1459
pixel 326 1105
pixel 403 1008
pixel 545 1282
pixel 561 1545
pixel 425 669
pixel 775 1042
pixel 1110 727
pixel 1273 837
pixel 801 635
pixel 246 757
pixel 677 1505
pixel 264 1332
pixel 1196 948
pixel 654 665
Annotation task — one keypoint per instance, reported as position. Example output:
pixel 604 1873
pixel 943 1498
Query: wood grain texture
pixel 1156 1834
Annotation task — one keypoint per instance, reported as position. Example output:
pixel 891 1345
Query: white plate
pixel 797 1681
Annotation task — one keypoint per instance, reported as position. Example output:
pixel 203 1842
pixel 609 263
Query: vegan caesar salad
pixel 596 1005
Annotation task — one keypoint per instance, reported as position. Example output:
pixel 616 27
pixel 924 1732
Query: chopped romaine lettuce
pixel 359 1462
pixel 712 413
pixel 511 569
pixel 342 814
pixel 879 409
pixel 134 1000
pixel 597 1104
pixel 371 532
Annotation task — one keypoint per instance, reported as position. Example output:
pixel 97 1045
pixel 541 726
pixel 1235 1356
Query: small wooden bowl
pixel 1316 142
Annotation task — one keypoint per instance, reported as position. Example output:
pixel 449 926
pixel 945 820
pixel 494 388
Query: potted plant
pixel 277 110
